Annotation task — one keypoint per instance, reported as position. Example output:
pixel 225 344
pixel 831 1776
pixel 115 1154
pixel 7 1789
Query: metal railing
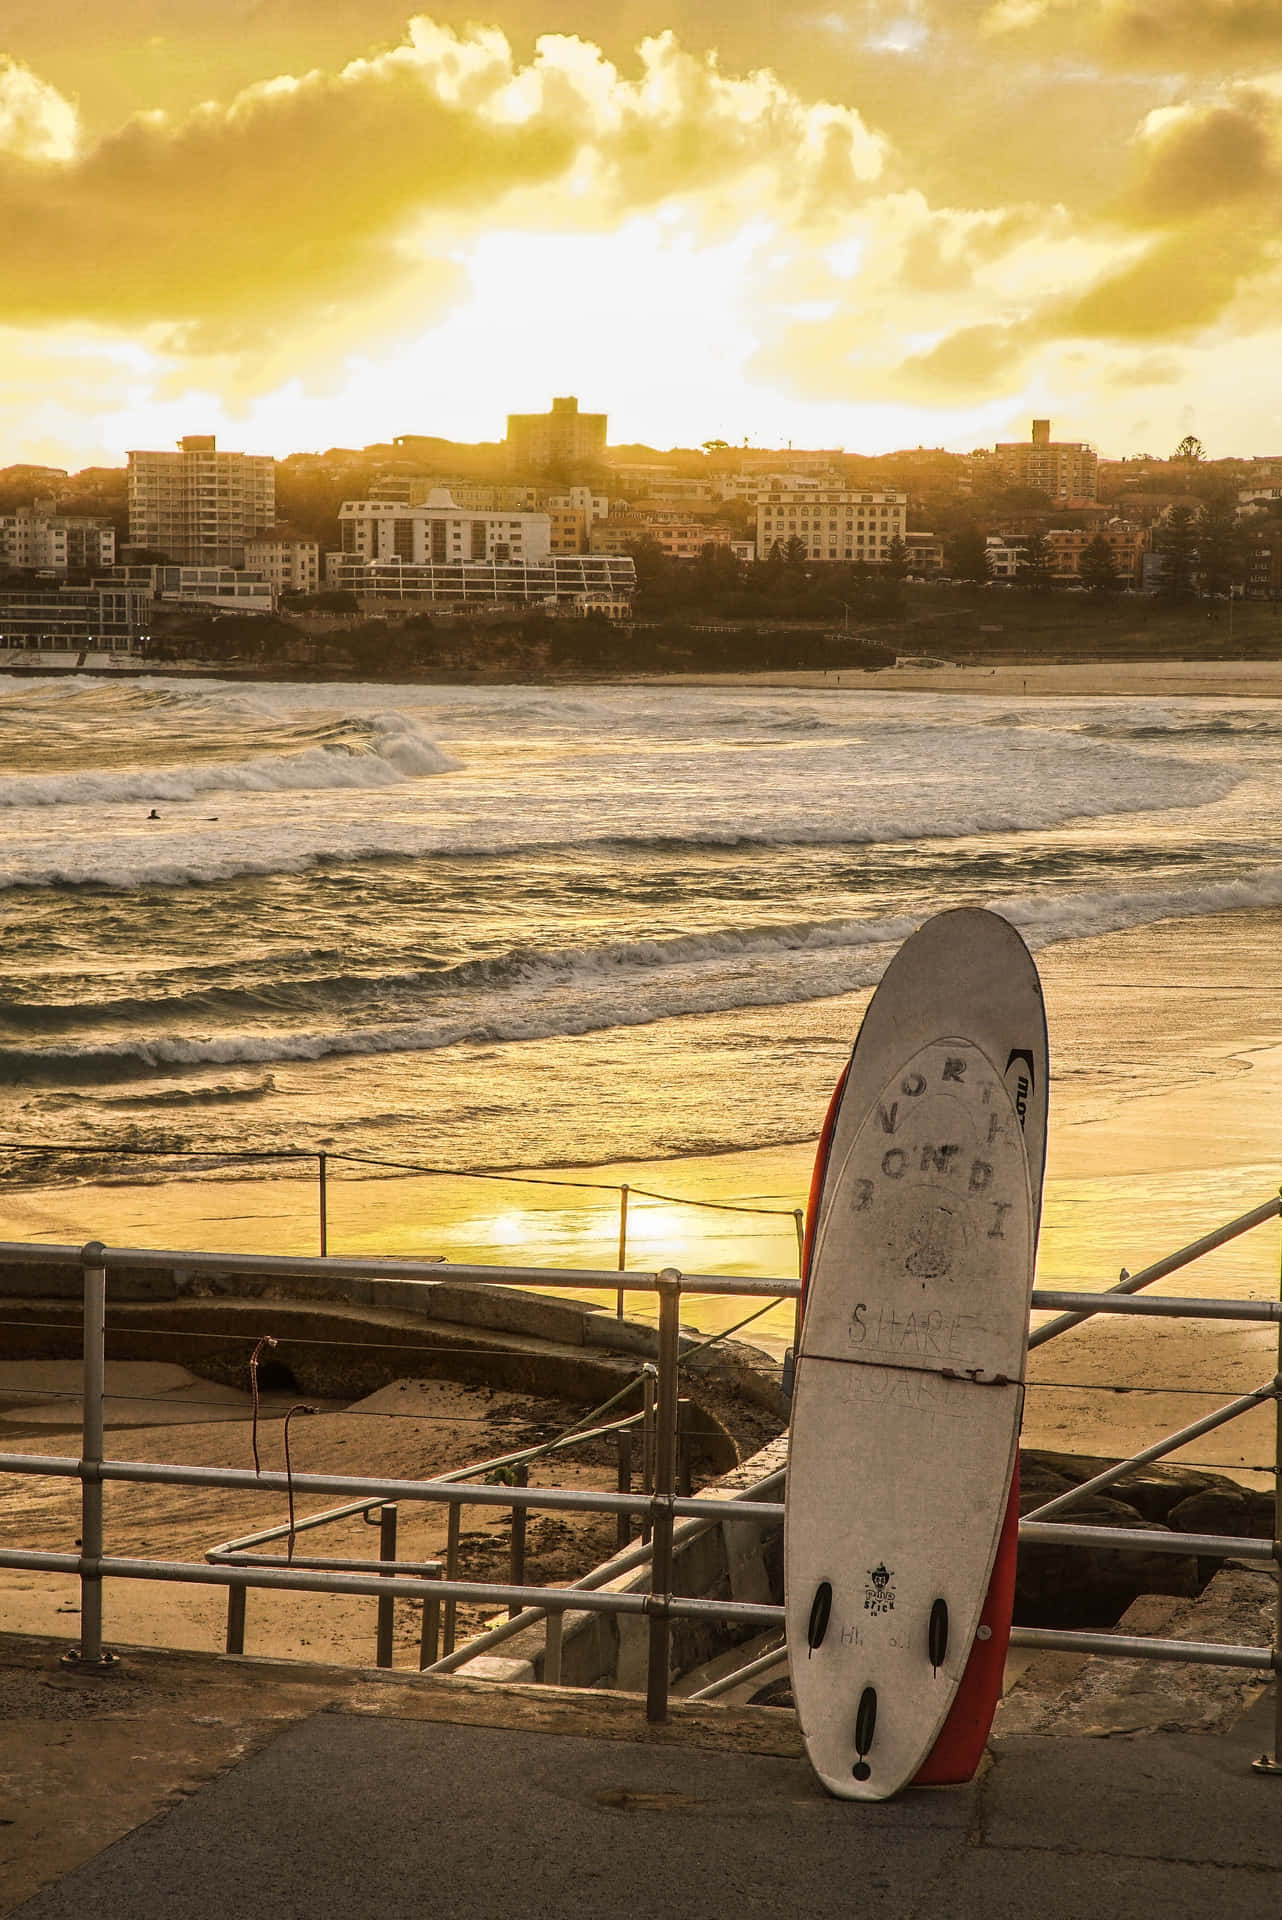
pixel 665 1509
pixel 325 1158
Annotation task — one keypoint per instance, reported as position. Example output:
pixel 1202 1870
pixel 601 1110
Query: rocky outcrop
pixel 1085 1586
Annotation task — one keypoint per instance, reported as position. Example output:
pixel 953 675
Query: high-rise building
pixel 1064 470
pixel 563 438
pixel 200 506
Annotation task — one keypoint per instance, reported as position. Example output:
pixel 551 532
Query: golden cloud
pixel 1198 156
pixel 1156 34
pixel 36 122
pixel 310 188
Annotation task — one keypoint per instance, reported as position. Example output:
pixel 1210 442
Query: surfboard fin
pixel 820 1609
pixel 937 1635
pixel 865 1728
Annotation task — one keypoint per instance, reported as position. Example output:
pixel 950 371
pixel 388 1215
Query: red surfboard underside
pixel 964 1735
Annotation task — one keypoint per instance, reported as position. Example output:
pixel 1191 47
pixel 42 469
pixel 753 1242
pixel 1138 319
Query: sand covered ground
pixel 1155 679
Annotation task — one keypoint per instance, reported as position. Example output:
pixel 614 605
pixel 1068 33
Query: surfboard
pixel 888 1408
pixel 968 972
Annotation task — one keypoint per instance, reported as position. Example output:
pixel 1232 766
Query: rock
pixel 1225 1509
pixel 1089 1586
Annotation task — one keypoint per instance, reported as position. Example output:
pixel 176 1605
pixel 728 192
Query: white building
pixel 440 533
pixel 287 561
pixel 229 589
pixel 832 523
pixel 43 540
pixel 199 506
pixel 566 583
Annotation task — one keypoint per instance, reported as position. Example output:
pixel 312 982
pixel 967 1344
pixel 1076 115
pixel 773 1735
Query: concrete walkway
pixel 389 1799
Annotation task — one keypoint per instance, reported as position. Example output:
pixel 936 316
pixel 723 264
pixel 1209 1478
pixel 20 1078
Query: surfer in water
pixel 153 815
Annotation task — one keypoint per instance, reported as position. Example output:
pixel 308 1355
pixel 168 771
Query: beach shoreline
pixel 1034 677
pixel 1166 1073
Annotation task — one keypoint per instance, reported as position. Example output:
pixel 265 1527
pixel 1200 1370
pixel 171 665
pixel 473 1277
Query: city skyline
pixel 870 226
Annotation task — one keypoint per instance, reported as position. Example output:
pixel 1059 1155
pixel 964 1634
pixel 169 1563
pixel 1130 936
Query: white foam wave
pixel 385 751
pixel 636 983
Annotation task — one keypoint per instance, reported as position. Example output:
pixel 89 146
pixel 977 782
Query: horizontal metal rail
pixel 1129 1646
pixel 1171 1444
pixel 742 1507
pixel 459 1474
pixel 1132 1283
pixel 549 1599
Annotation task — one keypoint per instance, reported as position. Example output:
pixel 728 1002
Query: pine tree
pixel 1097 568
pixel 1036 569
pixel 895 564
pixel 1176 542
pixel 968 555
pixel 1219 544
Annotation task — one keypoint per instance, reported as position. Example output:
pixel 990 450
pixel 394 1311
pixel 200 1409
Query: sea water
pixel 487 927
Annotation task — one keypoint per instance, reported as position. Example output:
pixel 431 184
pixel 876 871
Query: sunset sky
pixel 303 223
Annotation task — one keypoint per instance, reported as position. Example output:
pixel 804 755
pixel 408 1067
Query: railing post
pixel 521 1478
pixel 1272 1762
pixel 429 1639
pixel 322 1164
pixel 451 1573
pixel 623 1523
pixel 685 1442
pixel 665 1469
pixel 89 1654
pixel 623 1244
pixel 386 1608
pixel 647 1444
pixel 236 1597
pixel 553 1640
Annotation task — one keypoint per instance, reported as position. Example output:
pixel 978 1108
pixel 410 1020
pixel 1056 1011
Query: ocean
pixel 493 927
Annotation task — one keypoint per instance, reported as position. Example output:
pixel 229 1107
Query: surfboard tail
pixel 963 1737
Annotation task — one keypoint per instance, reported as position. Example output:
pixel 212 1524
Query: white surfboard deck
pixel 966 971
pixel 909 1391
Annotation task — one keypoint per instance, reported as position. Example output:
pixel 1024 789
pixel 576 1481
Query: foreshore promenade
pixel 186 1784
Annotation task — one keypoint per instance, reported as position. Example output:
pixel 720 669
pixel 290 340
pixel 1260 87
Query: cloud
pixel 1198 156
pixel 36 122
pixel 1157 34
pixel 311 188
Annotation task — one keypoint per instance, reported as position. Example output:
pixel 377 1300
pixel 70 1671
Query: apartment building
pixel 42 540
pixel 440 532
pixel 679 538
pixel 287 561
pixel 1127 543
pixel 833 523
pixel 200 506
pixel 1064 470
pixel 562 438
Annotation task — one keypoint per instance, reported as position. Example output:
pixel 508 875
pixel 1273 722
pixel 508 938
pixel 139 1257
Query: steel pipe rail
pixel 1135 1282
pixel 373 1492
pixel 1246 1403
pixel 380 1586
pixel 1126 1646
pixel 302 1267
pixel 1203 1546
pixel 631 1560
pixel 1162 1306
